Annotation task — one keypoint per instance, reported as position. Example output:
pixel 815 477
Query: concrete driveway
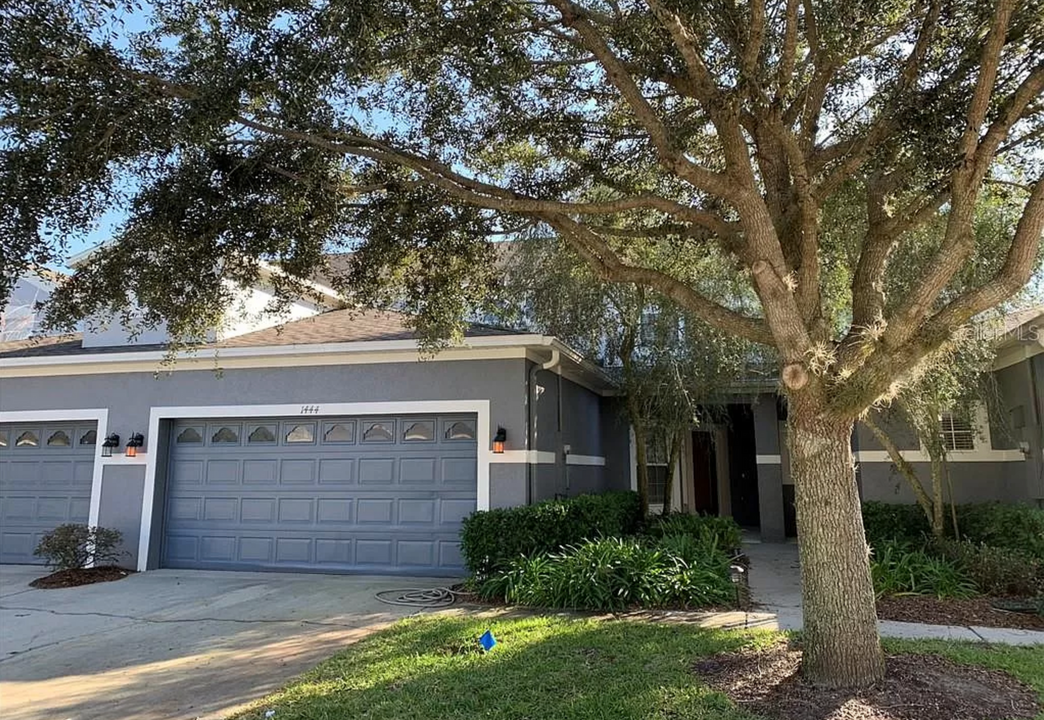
pixel 174 643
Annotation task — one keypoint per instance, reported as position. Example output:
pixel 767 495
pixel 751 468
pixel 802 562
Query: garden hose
pixel 435 597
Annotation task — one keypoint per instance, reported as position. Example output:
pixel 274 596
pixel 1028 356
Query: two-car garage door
pixel 364 494
pixel 45 481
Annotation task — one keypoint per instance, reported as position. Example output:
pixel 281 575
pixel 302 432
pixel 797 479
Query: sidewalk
pixel 775 586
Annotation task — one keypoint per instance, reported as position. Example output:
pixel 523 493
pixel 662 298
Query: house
pixel 21 317
pixel 330 443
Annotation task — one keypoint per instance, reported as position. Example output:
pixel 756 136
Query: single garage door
pixel 45 480
pixel 364 494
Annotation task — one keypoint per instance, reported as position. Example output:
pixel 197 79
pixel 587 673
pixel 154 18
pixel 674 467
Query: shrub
pixel 72 546
pixel 490 540
pixel 1012 527
pixel 995 570
pixel 902 569
pixel 724 531
pixel 887 522
pixel 615 574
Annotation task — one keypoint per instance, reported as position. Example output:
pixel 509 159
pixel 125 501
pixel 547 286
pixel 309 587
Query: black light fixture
pixel 134 442
pixel 111 441
pixel 498 440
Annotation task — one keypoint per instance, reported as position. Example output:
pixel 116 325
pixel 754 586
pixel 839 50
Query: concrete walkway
pixel 174 644
pixel 775 585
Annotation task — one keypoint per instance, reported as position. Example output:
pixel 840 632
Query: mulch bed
pixel 974 611
pixel 917 687
pixel 80 576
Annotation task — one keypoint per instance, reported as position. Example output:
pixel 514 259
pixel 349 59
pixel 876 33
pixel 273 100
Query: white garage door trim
pixel 479 407
pixel 99 415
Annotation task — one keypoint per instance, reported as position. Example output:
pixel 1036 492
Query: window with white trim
pixel 656 461
pixel 957 432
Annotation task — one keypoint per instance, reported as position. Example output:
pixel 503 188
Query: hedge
pixel 492 539
pixel 616 573
pixel 1015 527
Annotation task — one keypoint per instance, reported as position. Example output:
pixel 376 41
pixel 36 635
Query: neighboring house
pixel 21 318
pixel 1000 458
pixel 331 443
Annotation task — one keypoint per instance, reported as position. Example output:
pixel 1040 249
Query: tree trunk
pixel 938 522
pixel 641 459
pixel 906 470
pixel 673 451
pixel 841 644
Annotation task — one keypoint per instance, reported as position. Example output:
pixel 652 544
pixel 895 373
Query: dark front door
pixel 704 473
pixel 743 467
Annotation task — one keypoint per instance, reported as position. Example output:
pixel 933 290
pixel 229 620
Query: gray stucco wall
pixel 567 414
pixel 121 495
pixel 1021 387
pixel 129 398
pixel 900 432
pixel 972 481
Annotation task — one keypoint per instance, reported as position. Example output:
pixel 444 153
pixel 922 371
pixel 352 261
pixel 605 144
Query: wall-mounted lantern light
pixel 134 442
pixel 111 441
pixel 498 440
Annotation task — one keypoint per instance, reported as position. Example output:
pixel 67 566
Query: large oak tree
pixel 410 130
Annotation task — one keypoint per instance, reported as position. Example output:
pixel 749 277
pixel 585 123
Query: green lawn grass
pixel 547 668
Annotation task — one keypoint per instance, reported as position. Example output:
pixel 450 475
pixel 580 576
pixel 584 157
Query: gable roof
pixel 340 326
pixel 334 326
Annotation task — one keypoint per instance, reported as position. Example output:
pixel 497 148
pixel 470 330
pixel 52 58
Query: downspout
pixel 531 443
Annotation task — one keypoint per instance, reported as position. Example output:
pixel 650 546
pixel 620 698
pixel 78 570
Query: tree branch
pixel 608 266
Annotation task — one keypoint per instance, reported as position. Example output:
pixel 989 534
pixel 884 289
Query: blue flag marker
pixel 487 641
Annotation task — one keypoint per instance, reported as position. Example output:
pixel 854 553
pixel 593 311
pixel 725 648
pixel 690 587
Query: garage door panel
pixel 222 472
pixel 188 472
pixel 376 471
pixel 331 551
pixel 366 494
pixel 261 472
pixel 297 472
pixel 412 512
pixel 453 512
pixel 339 471
pixel 420 553
pixel 44 482
pixel 256 549
pixel 417 470
pixel 220 509
pixel 54 509
pixel 79 509
pixel 295 511
pixel 217 548
pixel 258 510
pixel 374 510
pixel 184 508
pixel 459 471
pixel 297 551
pixel 334 511
pixel 449 554
pixel 19 508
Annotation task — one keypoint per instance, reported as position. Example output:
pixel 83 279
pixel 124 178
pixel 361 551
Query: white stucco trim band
pixel 100 417
pixel 522 457
pixel 953 456
pixel 480 408
pixel 589 460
